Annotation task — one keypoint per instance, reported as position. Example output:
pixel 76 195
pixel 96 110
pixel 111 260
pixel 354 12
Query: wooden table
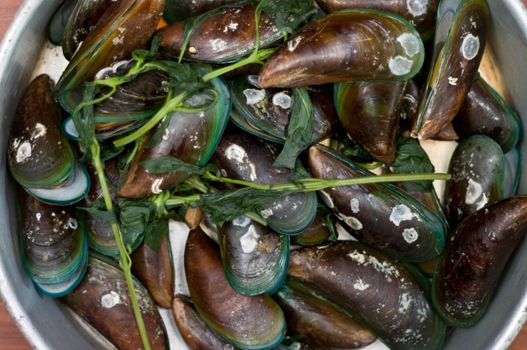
pixel 10 336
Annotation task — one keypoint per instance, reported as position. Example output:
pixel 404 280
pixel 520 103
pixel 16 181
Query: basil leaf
pixel 157 231
pixel 300 132
pixel 412 159
pixel 167 164
pixel 287 15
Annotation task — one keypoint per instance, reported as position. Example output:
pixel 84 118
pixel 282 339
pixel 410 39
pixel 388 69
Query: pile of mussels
pixel 227 117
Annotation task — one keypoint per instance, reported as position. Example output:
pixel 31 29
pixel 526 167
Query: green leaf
pixel 287 15
pixel 84 120
pixel 157 231
pixel 225 206
pixel 135 217
pixel 300 130
pixel 167 164
pixel 412 159
pixel 97 209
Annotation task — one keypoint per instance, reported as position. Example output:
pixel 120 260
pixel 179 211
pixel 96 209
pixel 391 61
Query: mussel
pixel 254 257
pixel 321 230
pixel 376 289
pixel 122 29
pixel 247 322
pixel 102 300
pixel 54 249
pixel 189 136
pixel 461 35
pixel 58 21
pixel 346 45
pixel 266 113
pixel 225 35
pixel 152 265
pixel 474 260
pixel 194 331
pixel 39 156
pixel 485 112
pixel 317 322
pixel 370 111
pixel 380 215
pixel 178 10
pixel 421 13
pixel 82 19
pixel 241 156
pixel 478 177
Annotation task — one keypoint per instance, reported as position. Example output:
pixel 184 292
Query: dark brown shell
pixel 222 37
pixel 244 321
pixel 475 258
pixel 194 331
pixel 421 13
pixel 102 300
pixel 377 290
pixel 154 269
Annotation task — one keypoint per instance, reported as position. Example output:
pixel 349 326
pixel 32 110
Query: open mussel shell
pixel 102 300
pixel 189 136
pixel 461 35
pixel 317 322
pixel 178 10
pixel 485 112
pixel 421 13
pixel 380 215
pixel 152 265
pixel 377 290
pixel 135 100
pixel 474 260
pixel 81 20
pixel 269 110
pixel 370 111
pixel 222 37
pixel 248 322
pixel 255 258
pixel 478 169
pixel 123 28
pixel 58 21
pixel 344 46
pixel 53 246
pixel 71 191
pixel 196 334
pixel 242 156
pixel 38 154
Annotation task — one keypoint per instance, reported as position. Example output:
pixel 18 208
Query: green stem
pixel 311 185
pixel 170 106
pixel 256 57
pixel 124 258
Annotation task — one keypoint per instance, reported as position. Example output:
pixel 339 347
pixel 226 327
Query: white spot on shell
pixel 405 302
pixel 156 186
pixel 470 47
pixel 452 81
pixel 238 153
pixel 266 213
pixel 282 100
pixel 23 152
pixel 400 65
pixel 354 205
pixel 241 221
pixel 218 45
pixel 417 7
pixel 410 44
pixel 110 300
pixel 475 195
pixel 40 130
pixel 254 96
pixel 38 216
pixel 401 213
pixel 249 241
pixel 293 43
pixel 232 26
pixel 361 285
pixel 253 80
pixel 410 235
pixel 326 198
pixel 73 224
pixel 351 221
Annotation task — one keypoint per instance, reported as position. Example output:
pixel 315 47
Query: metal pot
pixel 47 325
